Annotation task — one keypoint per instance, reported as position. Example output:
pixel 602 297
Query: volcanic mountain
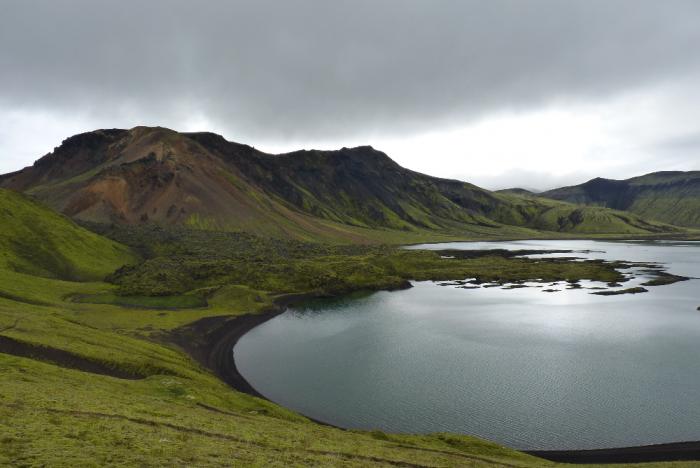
pixel 157 175
pixel 671 197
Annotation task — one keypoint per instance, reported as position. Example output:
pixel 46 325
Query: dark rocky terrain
pixel 156 175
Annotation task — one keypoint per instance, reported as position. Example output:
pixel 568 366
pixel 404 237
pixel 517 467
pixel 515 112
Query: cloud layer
pixel 272 72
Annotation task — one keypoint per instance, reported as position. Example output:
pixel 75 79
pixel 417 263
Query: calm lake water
pixel 522 367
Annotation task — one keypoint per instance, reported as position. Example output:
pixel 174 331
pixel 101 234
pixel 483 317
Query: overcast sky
pixel 530 93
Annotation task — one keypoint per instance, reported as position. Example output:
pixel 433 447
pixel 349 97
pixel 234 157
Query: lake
pixel 522 367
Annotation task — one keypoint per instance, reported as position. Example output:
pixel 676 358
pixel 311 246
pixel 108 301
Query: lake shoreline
pixel 210 341
pixel 675 451
pixel 681 237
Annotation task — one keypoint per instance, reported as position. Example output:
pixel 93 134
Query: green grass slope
pixel 37 241
pixel 93 384
pixel 100 384
pixel 561 217
pixel 171 412
pixel 180 262
pixel 670 197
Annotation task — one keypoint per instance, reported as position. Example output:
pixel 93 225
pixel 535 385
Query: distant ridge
pixel 157 175
pixel 668 196
pixel 517 191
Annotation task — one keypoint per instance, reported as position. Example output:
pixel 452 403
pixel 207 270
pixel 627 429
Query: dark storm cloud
pixel 335 68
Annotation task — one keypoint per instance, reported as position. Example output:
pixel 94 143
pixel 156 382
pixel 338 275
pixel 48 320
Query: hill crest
pixel 199 179
pixel 667 196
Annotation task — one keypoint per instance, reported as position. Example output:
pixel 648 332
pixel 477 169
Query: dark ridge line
pixel 62 358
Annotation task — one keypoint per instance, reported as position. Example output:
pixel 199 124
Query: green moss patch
pixel 190 301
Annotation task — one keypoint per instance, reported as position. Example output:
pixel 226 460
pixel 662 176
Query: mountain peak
pixel 199 179
pixel 360 149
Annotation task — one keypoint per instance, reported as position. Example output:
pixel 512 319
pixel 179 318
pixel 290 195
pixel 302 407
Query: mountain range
pixel 122 294
pixel 157 175
pixel 671 196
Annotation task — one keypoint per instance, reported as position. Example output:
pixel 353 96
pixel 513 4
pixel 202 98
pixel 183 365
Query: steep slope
pixel 35 240
pixel 670 197
pixel 357 186
pixel 158 175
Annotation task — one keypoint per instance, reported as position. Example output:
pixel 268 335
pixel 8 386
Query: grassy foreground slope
pixel 95 384
pixel 38 241
pixel 152 406
pixel 672 197
pixel 85 384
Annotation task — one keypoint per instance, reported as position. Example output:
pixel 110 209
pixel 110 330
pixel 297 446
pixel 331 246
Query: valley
pixel 115 316
pixel 349 234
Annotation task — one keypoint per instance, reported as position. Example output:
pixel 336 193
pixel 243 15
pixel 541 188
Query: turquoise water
pixel 522 367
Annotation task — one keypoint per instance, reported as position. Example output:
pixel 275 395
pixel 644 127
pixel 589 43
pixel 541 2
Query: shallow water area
pixel 564 369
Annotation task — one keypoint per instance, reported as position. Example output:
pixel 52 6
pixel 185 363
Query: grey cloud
pixel 280 69
pixel 687 143
pixel 533 180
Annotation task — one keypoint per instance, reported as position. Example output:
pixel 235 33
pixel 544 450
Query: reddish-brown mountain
pixel 157 175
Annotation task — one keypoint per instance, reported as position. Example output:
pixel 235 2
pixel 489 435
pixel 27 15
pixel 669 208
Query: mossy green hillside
pixel 554 216
pixel 182 261
pixel 168 410
pixel 670 196
pixel 353 195
pixel 177 413
pixel 38 241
